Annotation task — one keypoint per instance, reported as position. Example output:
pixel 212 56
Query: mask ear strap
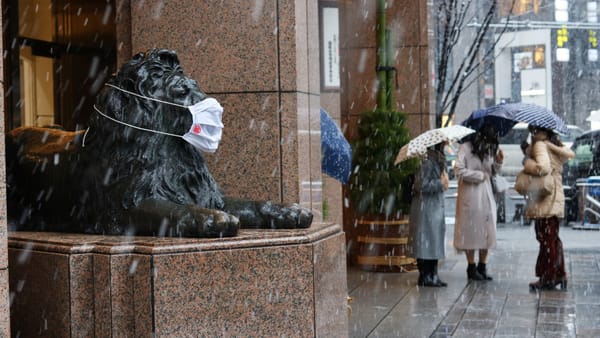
pixel 84 136
pixel 144 97
pixel 134 127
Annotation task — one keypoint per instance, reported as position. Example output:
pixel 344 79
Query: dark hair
pixel 485 142
pixel 436 153
pixel 439 147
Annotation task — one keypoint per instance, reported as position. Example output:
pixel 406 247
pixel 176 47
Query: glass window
pixel 574 132
pixel 520 7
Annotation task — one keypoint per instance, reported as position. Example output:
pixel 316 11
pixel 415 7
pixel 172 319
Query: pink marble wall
pixel 288 282
pixel 43 295
pixel 260 60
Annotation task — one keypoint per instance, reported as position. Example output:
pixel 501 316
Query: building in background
pixel 553 58
pixel 547 55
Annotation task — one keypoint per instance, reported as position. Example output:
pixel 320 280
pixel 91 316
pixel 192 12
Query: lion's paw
pixel 210 223
pixel 286 216
pixel 220 224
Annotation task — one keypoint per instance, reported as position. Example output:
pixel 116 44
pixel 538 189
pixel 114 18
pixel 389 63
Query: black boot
pixel 472 273
pixel 422 271
pixel 427 275
pixel 434 273
pixel 482 271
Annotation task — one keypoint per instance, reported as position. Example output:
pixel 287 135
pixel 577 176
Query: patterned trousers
pixel 550 266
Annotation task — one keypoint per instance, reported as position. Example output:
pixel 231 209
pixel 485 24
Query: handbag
pixel 539 186
pixel 499 184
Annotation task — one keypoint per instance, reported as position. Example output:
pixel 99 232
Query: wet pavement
pixel 392 305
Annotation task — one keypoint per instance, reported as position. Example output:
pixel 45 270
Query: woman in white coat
pixel 475 227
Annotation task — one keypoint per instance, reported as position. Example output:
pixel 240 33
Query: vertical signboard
pixel 330 55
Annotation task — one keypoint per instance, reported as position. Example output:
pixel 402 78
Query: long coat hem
pixel 427 222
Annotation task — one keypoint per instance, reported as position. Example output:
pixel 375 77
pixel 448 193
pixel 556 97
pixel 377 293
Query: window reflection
pixel 520 7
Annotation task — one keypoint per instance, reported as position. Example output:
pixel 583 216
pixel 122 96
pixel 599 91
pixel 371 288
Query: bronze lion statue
pixel 130 172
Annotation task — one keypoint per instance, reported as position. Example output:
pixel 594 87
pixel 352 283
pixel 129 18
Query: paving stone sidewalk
pixel 392 305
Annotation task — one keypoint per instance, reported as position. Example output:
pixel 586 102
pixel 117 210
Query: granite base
pixel 257 284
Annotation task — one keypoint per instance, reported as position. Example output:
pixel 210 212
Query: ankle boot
pixel 540 284
pixel 435 278
pixel 472 273
pixel 426 275
pixel 481 268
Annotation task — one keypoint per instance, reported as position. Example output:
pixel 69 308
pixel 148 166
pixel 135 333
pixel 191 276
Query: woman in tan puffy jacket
pixel 547 155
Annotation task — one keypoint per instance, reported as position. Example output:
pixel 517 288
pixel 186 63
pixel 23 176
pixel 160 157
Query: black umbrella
pixel 500 118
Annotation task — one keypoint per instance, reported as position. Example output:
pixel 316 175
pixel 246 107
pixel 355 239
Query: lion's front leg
pixel 164 218
pixel 269 215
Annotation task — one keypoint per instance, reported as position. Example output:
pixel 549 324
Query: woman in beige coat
pixel 475 226
pixel 546 156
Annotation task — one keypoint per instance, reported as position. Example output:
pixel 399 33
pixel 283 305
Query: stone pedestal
pixel 260 283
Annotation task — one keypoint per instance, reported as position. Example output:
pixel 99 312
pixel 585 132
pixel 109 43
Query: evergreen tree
pixel 377 186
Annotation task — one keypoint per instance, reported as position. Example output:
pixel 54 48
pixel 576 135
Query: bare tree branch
pixel 468 64
pixel 482 63
pixel 452 82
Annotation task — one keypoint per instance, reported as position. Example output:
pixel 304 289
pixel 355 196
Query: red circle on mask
pixel 197 129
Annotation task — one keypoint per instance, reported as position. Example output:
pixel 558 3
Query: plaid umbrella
pixel 505 115
pixel 537 116
pixel 418 146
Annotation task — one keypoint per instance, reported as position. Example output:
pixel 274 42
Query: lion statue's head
pixel 151 91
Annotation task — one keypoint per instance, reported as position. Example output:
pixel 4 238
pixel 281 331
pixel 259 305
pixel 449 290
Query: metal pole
pixel 381 55
pixel 390 71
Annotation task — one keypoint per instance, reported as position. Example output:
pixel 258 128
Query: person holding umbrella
pixel 546 156
pixel 427 232
pixel 475 226
pixel 427 225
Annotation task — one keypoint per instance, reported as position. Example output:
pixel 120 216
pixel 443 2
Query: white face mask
pixel 206 130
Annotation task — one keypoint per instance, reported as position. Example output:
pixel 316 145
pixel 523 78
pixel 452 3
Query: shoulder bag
pixel 540 186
